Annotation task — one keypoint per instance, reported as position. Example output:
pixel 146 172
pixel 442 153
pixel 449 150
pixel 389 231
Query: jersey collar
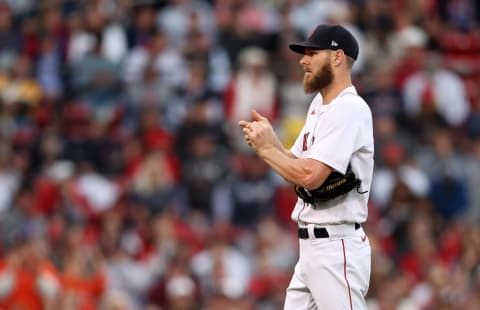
pixel 350 89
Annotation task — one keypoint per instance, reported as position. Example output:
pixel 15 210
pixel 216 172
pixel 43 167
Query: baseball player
pixel 331 166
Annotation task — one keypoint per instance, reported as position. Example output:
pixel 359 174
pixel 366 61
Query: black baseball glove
pixel 335 185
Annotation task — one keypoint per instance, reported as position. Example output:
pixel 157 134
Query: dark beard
pixel 320 81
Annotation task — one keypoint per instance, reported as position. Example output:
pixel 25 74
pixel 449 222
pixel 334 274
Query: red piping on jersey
pixel 298 216
pixel 345 274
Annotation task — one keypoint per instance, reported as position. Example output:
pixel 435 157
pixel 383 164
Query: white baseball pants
pixel 333 272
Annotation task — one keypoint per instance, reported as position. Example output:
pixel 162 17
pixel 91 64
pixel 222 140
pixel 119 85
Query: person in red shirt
pixel 27 279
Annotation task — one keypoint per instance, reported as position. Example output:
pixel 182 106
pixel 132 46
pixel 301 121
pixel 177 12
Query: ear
pixel 338 57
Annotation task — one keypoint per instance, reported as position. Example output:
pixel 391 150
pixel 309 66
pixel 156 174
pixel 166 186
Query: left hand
pixel 259 133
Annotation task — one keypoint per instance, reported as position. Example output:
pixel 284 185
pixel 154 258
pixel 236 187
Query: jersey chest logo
pixel 305 141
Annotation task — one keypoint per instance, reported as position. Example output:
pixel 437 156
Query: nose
pixel 303 60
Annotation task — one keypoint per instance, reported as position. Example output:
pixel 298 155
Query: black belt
pixel 318 232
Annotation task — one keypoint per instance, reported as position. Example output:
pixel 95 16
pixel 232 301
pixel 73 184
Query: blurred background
pixel 125 183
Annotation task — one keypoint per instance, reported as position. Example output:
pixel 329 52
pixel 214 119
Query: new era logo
pixel 334 43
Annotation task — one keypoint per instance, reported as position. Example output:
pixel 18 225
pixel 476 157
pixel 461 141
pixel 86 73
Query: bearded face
pixel 316 81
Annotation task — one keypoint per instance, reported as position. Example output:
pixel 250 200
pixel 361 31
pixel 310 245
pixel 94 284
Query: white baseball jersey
pixel 338 134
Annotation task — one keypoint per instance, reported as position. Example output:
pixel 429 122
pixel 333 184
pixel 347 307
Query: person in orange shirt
pixel 83 279
pixel 27 279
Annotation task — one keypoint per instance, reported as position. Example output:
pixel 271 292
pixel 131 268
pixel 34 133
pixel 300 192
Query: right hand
pixel 259 132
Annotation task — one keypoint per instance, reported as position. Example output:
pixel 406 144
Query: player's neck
pixel 334 89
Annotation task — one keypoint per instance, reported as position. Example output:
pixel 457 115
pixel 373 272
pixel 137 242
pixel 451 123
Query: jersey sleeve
pixel 336 137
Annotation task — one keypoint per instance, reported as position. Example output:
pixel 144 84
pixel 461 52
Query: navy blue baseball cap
pixel 329 37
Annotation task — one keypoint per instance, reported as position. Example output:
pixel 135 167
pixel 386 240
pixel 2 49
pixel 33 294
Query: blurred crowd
pixel 125 183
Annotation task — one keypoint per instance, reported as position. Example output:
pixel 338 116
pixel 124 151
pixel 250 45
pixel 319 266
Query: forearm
pixel 285 151
pixel 289 154
pixel 304 172
pixel 260 136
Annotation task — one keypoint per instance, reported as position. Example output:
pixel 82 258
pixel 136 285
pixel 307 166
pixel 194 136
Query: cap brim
pixel 301 46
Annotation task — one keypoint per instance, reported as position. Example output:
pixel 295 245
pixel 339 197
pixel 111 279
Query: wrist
pixel 265 150
pixel 279 145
